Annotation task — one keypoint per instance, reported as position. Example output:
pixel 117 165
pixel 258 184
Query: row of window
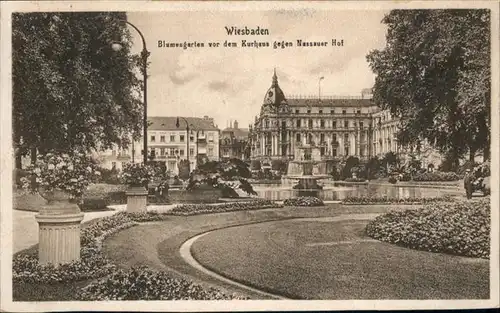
pixel 298 124
pixel 172 138
pixel 334 124
pixel 178 152
pixel 334 151
pixel 332 111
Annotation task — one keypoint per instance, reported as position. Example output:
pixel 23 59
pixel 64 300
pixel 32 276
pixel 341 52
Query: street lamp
pixel 187 140
pixel 144 58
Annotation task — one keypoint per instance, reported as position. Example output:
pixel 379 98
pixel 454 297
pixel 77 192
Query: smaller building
pixel 234 142
pixel 169 143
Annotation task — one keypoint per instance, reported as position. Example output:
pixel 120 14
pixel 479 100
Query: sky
pixel 230 83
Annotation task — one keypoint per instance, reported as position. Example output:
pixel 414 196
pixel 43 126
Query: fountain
pixel 308 169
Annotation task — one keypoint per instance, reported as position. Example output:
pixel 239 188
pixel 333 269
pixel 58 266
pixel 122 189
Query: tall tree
pixel 435 74
pixel 71 90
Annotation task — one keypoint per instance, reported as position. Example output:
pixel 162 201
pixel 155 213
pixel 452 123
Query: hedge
pixel 436 176
pixel 393 200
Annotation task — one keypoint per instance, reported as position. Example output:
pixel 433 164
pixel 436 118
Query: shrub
pixel 304 201
pixel 98 197
pixel 137 174
pixel 355 180
pixel 393 180
pixel 349 164
pixel 279 166
pixel 193 209
pixel 389 200
pixel 255 165
pixel 436 176
pixel 142 283
pixel 461 228
pixel 109 176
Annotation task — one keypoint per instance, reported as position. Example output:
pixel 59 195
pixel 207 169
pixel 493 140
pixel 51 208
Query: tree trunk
pixel 486 153
pixel 19 163
pixel 472 154
pixel 33 153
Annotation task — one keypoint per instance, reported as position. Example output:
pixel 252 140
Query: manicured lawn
pixel 157 244
pixel 304 260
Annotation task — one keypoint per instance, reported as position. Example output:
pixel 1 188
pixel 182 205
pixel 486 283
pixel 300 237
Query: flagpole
pixel 319 86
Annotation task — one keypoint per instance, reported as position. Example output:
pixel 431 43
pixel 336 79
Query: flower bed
pixel 113 284
pixel 193 209
pixel 304 201
pixel 68 173
pixel 436 176
pixel 461 228
pixel 142 283
pixel 390 200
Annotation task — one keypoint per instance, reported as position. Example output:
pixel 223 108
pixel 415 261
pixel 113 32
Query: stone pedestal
pixel 137 199
pixel 59 233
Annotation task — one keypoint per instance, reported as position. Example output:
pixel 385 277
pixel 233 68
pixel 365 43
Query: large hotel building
pixel 339 127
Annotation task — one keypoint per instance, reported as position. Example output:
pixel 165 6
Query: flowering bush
pixel 303 201
pixel 461 228
pixel 192 209
pixel 69 173
pixel 142 283
pixel 436 176
pixel 137 174
pixel 392 180
pixel 391 200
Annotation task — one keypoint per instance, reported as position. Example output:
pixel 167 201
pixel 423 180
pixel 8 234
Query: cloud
pixel 219 86
pixel 179 79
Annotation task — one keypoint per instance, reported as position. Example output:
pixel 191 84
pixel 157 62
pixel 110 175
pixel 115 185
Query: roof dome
pixel 274 95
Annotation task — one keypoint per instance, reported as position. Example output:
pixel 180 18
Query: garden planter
pixel 59 228
pixel 137 199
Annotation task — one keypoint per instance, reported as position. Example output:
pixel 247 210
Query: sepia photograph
pixel 319 154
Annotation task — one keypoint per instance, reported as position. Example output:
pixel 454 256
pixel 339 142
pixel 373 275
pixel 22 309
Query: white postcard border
pixel 6 159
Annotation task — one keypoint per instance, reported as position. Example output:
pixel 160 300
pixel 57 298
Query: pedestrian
pixel 468 180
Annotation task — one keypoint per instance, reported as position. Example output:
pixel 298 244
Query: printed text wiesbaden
pixel 246 31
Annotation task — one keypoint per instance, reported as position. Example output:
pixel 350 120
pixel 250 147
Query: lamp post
pixel 144 58
pixel 187 140
pixel 319 86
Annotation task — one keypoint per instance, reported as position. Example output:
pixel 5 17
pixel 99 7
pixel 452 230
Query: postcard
pixel 229 156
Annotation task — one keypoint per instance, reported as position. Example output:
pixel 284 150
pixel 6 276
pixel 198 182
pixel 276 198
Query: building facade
pixel 340 127
pixel 169 144
pixel 234 142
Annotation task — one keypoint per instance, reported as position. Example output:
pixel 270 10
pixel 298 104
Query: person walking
pixel 468 180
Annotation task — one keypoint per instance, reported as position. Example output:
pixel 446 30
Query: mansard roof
pixel 331 102
pixel 169 123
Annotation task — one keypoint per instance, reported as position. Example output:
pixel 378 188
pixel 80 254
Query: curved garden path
pixel 157 244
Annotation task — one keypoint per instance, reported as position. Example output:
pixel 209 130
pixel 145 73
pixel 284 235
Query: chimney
pixel 230 124
pixel 235 125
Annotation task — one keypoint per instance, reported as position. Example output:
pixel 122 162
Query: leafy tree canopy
pixel 71 90
pixel 434 73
